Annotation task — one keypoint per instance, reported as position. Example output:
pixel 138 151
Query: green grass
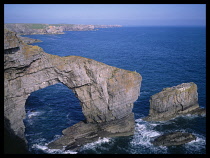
pixel 37 26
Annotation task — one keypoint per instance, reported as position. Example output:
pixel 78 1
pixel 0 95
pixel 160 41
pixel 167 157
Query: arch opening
pixel 49 111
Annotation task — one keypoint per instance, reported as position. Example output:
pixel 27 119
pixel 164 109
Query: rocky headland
pixel 28 40
pixel 106 93
pixel 29 29
pixel 174 101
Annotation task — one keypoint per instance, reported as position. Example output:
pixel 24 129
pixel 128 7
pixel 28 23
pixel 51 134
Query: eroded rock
pixel 81 133
pixel 174 101
pixel 174 138
pixel 106 93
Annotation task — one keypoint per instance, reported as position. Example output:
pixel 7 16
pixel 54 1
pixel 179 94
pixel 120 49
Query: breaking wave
pixel 32 114
pixel 197 146
pixel 45 149
pixel 144 133
pixel 98 145
pixel 41 147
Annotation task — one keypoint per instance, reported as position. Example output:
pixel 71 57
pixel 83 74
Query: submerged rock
pixel 174 138
pixel 174 101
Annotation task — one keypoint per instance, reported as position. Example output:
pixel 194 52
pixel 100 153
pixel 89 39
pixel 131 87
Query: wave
pixel 32 114
pixel 197 145
pixel 98 144
pixel 145 132
pixel 40 146
pixel 30 117
pixel 140 142
pixel 189 116
pixel 32 134
pixel 45 149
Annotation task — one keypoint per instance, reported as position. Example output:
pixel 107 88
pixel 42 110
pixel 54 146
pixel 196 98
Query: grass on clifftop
pixel 37 26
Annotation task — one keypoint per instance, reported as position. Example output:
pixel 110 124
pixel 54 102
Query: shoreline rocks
pixel 28 40
pixel 174 101
pixel 81 133
pixel 173 138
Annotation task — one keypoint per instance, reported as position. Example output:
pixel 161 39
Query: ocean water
pixel 164 56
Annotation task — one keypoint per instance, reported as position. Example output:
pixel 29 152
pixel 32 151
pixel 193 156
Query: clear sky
pixel 122 14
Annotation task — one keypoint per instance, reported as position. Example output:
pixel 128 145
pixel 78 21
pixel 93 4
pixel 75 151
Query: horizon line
pixel 117 24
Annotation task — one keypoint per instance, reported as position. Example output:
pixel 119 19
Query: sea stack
pixel 174 101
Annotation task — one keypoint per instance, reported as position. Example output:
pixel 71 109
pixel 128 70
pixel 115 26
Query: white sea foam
pixel 97 143
pixel 196 145
pixel 189 116
pixel 45 149
pixel 143 134
pixel 32 134
pixel 32 114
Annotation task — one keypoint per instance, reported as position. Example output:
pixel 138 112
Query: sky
pixel 108 14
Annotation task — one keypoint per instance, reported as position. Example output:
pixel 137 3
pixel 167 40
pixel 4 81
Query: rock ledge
pixel 81 133
pixel 174 138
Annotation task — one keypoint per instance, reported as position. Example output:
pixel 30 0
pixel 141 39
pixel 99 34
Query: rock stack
pixel 174 101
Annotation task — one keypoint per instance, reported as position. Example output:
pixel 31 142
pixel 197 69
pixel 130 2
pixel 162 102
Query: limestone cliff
pixel 174 101
pixel 106 93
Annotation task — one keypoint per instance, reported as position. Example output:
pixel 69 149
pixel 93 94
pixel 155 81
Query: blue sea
pixel 164 56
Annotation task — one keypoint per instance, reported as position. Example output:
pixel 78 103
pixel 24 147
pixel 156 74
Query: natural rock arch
pixel 51 109
pixel 106 93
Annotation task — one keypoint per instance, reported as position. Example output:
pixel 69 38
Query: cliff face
pixel 106 93
pixel 26 29
pixel 11 40
pixel 174 101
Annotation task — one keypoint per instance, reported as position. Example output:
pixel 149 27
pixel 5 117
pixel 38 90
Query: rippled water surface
pixel 164 56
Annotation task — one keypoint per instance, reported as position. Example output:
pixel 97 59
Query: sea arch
pixel 106 93
pixel 49 111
